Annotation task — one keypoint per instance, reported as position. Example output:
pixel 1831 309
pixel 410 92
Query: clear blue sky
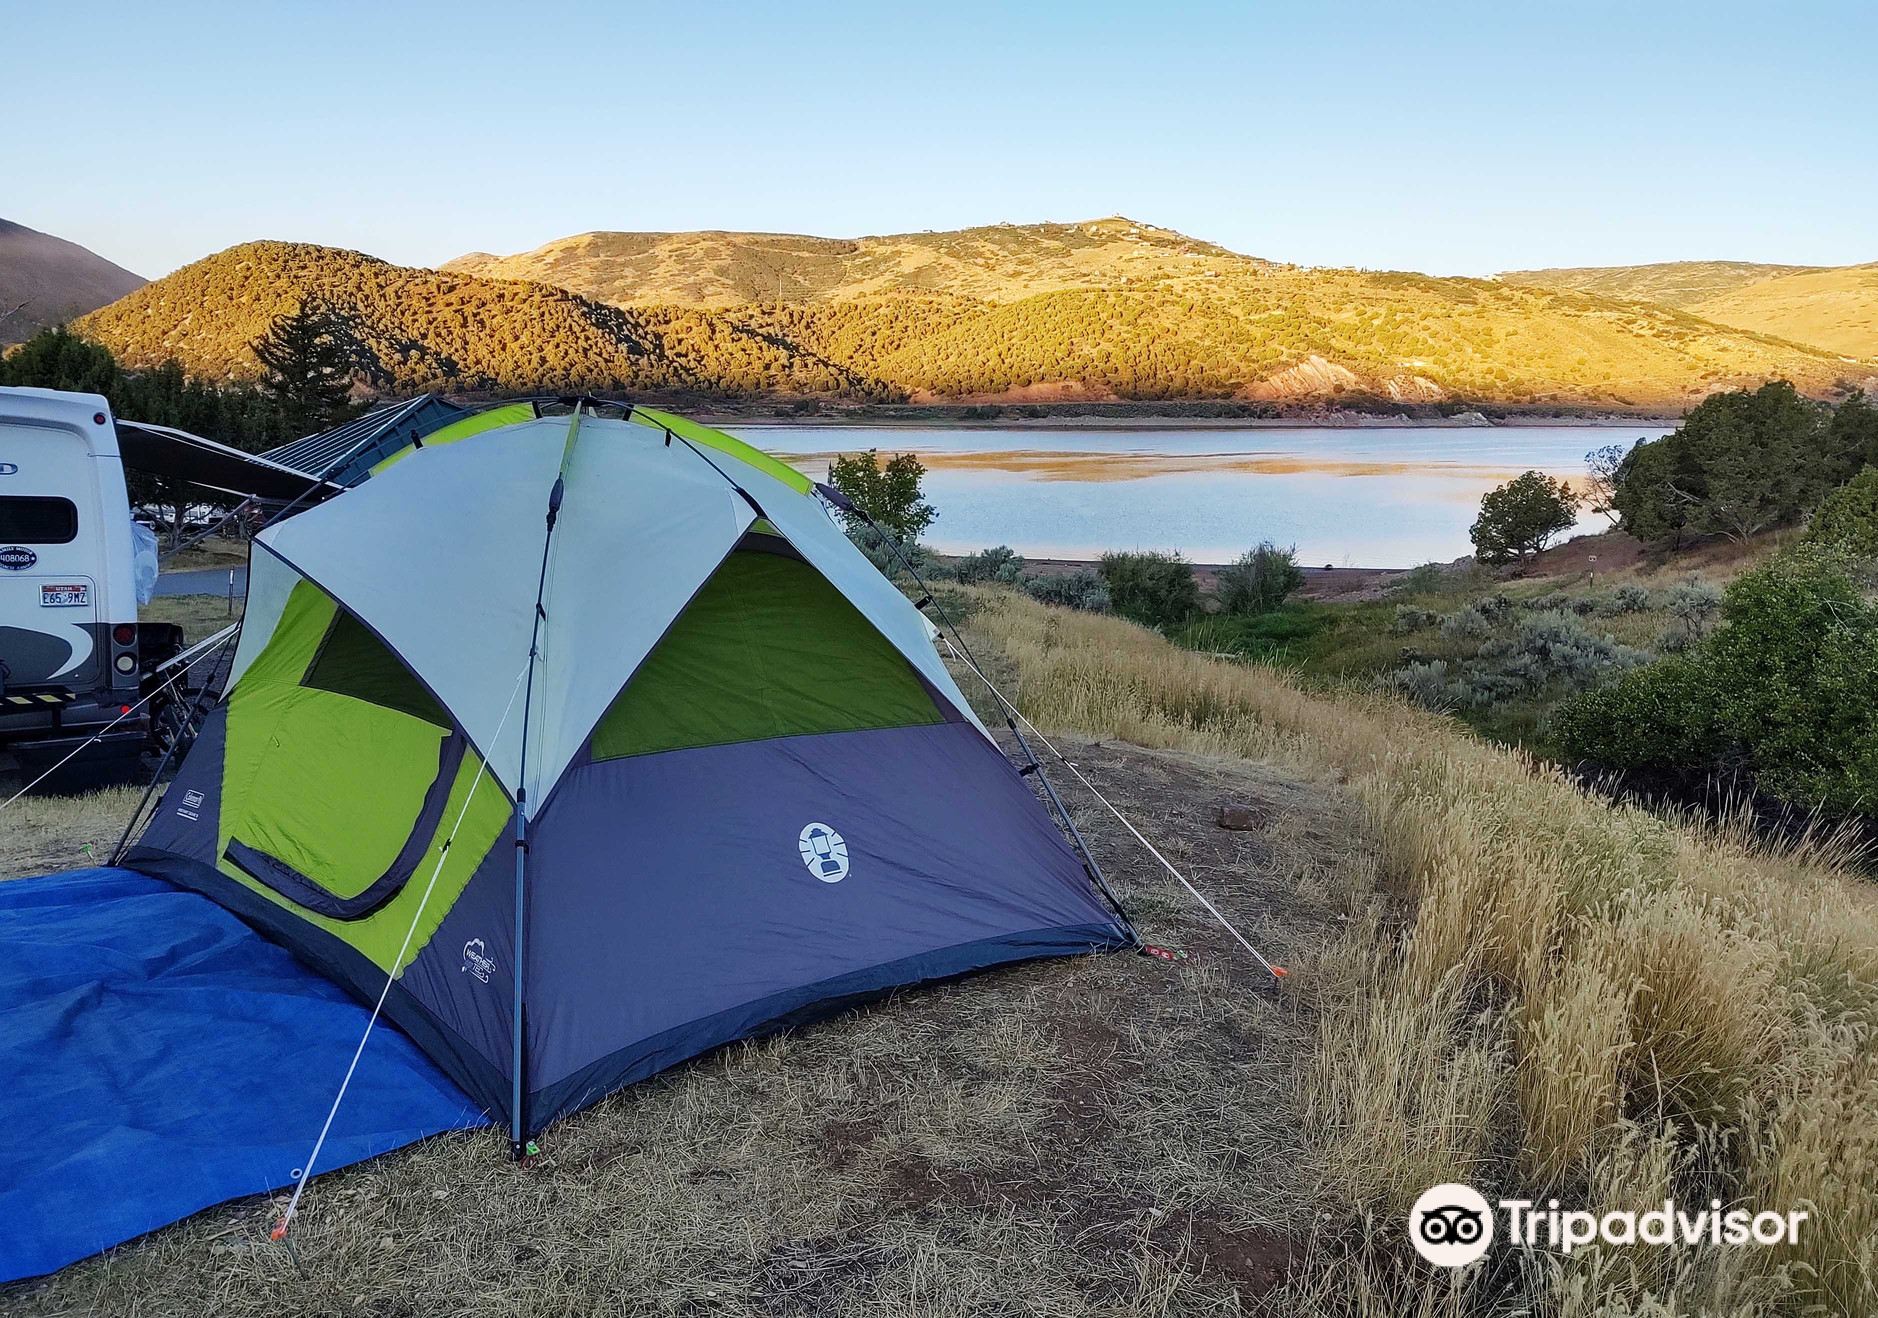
pixel 1449 138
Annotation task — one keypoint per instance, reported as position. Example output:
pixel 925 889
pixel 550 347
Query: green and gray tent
pixel 735 787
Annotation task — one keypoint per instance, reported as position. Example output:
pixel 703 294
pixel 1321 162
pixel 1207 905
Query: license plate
pixel 64 597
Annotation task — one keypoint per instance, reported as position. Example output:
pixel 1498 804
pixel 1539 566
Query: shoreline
pixel 1344 421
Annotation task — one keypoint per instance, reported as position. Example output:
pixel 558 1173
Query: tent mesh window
pixel 767 648
pixel 353 662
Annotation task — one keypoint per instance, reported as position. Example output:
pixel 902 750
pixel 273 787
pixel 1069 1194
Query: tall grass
pixel 1552 995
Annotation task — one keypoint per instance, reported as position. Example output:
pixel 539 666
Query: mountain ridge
pixel 46 280
pixel 1101 310
pixel 728 267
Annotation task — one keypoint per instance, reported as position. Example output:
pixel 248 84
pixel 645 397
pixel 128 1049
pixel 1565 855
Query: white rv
pixel 73 656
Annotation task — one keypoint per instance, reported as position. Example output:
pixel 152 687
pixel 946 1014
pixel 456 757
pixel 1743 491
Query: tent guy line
pixel 1277 972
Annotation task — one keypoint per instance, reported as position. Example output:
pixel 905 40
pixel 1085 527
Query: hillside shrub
pixel 1081 589
pixel 1000 564
pixel 1155 590
pixel 1260 580
pixel 1408 618
pixel 1693 606
pixel 1543 652
pixel 1468 624
pixel 1783 689
pixel 1848 518
pixel 1630 598
pixel 881 553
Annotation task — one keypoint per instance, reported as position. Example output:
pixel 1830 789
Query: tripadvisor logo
pixel 1453 1225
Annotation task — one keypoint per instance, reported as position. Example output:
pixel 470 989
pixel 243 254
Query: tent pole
pixel 518 1059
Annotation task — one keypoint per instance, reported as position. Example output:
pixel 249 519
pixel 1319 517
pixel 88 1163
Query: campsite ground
pixel 1495 979
pixel 1114 1134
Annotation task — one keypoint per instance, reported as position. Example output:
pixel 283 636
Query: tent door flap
pixel 288 882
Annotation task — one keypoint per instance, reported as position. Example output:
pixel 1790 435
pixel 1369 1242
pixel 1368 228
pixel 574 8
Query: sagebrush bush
pixel 1408 618
pixel 1630 598
pixel 1155 590
pixel 1543 651
pixel 1081 589
pixel 1001 564
pixel 1468 624
pixel 1692 606
pixel 883 555
pixel 1260 581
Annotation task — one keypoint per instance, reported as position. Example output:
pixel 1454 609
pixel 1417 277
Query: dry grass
pixel 1584 1001
pixel 41 834
pixel 1496 979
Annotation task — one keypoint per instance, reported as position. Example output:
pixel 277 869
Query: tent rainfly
pixel 602 745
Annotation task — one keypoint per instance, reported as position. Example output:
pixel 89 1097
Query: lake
pixel 1373 497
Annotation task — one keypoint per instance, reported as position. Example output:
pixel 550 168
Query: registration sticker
pixel 64 597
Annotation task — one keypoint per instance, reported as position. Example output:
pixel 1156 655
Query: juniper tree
pixel 1519 519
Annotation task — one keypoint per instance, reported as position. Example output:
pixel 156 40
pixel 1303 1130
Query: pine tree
pixel 308 365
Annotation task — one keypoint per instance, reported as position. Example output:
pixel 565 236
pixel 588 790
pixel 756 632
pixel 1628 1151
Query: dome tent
pixel 675 768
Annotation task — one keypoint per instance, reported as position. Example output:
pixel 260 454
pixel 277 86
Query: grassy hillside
pixel 1835 308
pixel 46 281
pixel 995 263
pixel 1104 310
pixel 1680 284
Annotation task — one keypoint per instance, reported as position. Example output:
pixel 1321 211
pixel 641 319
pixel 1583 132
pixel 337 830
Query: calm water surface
pixel 1352 498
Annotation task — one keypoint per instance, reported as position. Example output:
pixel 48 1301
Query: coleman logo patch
pixel 824 852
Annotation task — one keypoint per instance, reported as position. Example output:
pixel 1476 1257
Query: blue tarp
pixel 157 1056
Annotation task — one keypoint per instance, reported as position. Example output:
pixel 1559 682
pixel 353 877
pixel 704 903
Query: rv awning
pixel 177 454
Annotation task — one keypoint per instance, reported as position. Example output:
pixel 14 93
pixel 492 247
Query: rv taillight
pixel 123 709
pixel 127 663
pixel 97 418
pixel 124 633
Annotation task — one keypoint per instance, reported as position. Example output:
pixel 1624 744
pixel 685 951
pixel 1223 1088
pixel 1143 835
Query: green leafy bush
pixel 1848 518
pixel 1783 688
pixel 892 493
pixel 1156 590
pixel 1261 580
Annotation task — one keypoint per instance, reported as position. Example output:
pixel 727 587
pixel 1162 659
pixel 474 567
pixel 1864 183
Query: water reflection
pixel 1369 498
